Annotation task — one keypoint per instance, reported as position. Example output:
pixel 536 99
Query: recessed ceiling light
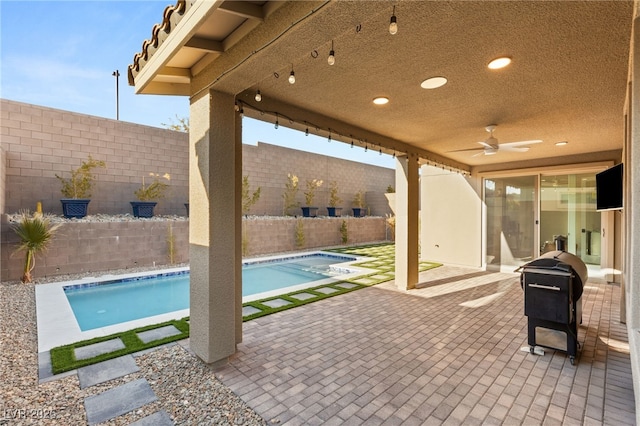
pixel 381 100
pixel 433 83
pixel 562 143
pixel 498 63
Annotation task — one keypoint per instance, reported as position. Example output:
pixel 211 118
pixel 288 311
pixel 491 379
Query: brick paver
pixel 448 352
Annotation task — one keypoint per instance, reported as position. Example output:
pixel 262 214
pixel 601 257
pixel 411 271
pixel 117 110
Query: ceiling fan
pixel 490 146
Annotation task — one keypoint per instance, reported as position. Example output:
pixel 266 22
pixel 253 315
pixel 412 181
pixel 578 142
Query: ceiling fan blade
pixel 510 148
pixel 531 142
pixel 486 145
pixel 468 150
pixel 479 154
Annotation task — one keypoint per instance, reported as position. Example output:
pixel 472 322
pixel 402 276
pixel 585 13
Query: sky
pixel 62 54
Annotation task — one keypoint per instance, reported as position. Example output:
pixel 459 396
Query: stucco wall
pixel 41 142
pixel 451 219
pixel 101 246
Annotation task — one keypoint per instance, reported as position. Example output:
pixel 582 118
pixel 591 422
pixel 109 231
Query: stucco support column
pixel 407 203
pixel 214 232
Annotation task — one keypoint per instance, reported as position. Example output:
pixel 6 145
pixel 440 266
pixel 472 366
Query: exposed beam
pixel 175 72
pixel 177 89
pixel 205 44
pixel 243 9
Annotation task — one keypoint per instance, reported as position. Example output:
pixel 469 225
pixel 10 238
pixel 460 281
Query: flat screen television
pixel 609 188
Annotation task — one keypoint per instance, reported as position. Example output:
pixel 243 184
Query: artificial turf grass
pixel 63 357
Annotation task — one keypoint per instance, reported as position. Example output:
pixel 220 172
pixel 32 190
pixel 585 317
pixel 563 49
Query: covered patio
pixel 445 353
pixel 569 85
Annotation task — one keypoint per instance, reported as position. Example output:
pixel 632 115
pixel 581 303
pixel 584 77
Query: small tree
pixel 312 185
pixel 344 232
pixel 154 191
pixel 333 194
pixel 36 233
pixel 80 184
pixel 290 193
pixel 248 200
pixel 358 199
pixel 299 233
pixel 181 125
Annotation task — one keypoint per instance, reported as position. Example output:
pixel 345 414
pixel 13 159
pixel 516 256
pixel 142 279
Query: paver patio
pixel 446 353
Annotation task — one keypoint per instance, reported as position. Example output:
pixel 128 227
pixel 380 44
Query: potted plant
pixel 358 204
pixel 147 197
pixel 333 210
pixel 309 210
pixel 77 188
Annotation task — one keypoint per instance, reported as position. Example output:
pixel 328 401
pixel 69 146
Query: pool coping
pixel 57 326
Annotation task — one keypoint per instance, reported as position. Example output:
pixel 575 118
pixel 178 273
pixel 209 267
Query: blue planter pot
pixel 309 211
pixel 334 211
pixel 358 212
pixel 143 208
pixel 74 207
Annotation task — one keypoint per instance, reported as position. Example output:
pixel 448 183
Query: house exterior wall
pixel 451 218
pixel 40 142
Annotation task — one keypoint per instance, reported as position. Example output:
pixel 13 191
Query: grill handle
pixel 544 287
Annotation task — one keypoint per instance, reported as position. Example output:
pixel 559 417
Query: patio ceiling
pixel 567 81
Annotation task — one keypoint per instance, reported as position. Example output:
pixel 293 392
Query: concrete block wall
pixel 278 235
pixel 41 142
pixel 269 165
pixel 102 246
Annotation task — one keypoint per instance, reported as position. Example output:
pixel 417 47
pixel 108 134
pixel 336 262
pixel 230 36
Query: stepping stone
pixel 326 290
pixel 364 281
pixel 118 401
pixel 158 333
pixel 249 310
pixel 276 303
pixel 303 296
pixel 90 351
pixel 159 418
pixel 106 370
pixel 380 277
pixel 347 285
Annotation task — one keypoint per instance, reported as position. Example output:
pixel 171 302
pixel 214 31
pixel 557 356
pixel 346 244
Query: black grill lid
pixel 564 262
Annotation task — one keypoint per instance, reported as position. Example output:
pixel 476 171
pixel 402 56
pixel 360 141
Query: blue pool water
pixel 98 305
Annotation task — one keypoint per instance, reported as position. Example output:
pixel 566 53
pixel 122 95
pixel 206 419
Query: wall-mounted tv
pixel 609 188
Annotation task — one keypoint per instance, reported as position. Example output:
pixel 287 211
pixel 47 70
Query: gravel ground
pixel 185 387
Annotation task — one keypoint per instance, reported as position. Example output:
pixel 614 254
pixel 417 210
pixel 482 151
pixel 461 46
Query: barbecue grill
pixel 553 285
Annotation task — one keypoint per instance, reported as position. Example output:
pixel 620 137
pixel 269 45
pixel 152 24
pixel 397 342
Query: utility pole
pixel 116 74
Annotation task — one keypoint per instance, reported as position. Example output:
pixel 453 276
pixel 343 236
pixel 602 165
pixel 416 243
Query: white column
pixel 214 232
pixel 407 203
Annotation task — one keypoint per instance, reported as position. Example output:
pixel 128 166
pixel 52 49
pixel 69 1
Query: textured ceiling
pixel 567 81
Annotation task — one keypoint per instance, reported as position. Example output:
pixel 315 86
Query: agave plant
pixel 36 233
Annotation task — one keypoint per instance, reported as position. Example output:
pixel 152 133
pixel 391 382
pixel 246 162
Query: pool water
pixel 98 305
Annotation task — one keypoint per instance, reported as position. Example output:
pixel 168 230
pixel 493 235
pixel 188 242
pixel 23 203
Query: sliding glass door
pixel 511 210
pixel 526 215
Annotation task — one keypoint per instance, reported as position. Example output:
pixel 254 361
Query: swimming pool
pixel 106 303
pixel 57 323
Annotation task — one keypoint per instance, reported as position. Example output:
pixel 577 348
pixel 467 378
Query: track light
pixel 351 144
pixel 366 147
pixel 332 55
pixel 258 96
pixel 329 137
pixel 380 151
pixel 393 23
pixel 292 76
pixel 277 124
pixel 306 131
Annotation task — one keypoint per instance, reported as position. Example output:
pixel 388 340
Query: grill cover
pixel 562 261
